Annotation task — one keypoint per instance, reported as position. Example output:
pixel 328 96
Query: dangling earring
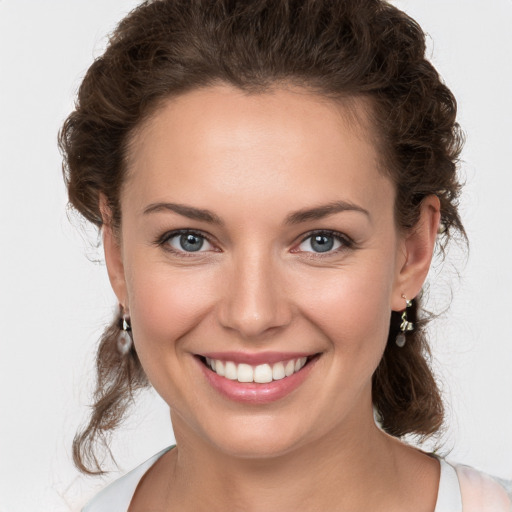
pixel 124 340
pixel 405 326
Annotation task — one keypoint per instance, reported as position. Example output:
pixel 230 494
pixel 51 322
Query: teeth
pixel 300 363
pixel 245 373
pixel 231 371
pixel 219 368
pixel 261 373
pixel 278 371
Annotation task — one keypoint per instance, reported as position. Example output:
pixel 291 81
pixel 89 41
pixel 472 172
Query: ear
pixel 113 254
pixel 417 250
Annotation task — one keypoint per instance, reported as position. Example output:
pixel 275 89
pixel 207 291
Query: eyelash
pixel 162 242
pixel 346 242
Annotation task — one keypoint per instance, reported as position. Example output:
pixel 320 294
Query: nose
pixel 254 302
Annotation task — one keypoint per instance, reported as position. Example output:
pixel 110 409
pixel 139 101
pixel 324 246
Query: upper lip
pixel 255 358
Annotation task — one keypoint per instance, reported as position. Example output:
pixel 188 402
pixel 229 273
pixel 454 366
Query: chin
pixel 257 446
pixel 261 437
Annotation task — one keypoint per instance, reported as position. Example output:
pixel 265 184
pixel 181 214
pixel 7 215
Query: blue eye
pixel 188 242
pixel 322 242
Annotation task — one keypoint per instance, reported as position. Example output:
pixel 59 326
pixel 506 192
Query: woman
pixel 271 179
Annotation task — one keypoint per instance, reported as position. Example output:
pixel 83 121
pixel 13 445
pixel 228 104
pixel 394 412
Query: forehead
pixel 284 143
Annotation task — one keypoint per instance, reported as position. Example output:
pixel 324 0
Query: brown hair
pixel 337 48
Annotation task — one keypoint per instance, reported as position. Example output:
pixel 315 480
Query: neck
pixel 353 476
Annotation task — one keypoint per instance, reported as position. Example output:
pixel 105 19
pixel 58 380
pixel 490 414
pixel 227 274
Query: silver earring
pixel 405 326
pixel 124 339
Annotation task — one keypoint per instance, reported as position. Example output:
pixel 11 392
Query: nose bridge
pixel 254 297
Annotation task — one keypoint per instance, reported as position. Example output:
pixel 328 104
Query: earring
pixel 405 326
pixel 124 339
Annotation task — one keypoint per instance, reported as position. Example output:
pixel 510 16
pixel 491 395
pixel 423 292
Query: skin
pixel 258 285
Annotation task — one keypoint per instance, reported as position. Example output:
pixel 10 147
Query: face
pixel 258 243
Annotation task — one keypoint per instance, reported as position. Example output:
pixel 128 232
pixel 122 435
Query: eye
pixel 187 241
pixel 323 242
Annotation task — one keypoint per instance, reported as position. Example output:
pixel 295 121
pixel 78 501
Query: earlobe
pixel 113 254
pixel 418 246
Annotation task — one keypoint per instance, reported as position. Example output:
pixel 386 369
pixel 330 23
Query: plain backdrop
pixel 55 300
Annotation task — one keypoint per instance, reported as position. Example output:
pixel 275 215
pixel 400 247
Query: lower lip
pixel 250 392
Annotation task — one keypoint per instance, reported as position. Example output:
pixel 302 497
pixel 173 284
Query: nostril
pixel 254 304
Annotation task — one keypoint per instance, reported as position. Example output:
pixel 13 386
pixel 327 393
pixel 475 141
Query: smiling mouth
pixel 261 373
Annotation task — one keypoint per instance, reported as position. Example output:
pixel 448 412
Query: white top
pixel 461 489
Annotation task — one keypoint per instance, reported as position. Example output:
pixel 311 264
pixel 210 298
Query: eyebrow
pixel 307 214
pixel 185 211
pixel 319 212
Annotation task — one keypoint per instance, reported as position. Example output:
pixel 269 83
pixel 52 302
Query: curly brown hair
pixel 337 48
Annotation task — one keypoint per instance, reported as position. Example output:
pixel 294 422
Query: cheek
pixel 351 306
pixel 166 304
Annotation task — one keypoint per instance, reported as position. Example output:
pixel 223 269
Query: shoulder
pixel 480 492
pixel 117 496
